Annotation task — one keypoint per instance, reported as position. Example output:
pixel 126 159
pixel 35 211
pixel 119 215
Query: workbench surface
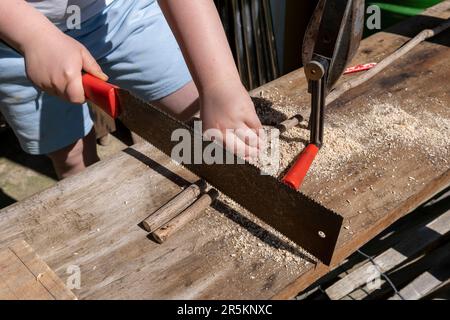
pixel 92 220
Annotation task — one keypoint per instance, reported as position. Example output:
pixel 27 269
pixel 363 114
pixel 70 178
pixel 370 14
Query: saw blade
pixel 301 219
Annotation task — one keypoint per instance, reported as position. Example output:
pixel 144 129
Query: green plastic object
pixel 418 4
pixel 395 11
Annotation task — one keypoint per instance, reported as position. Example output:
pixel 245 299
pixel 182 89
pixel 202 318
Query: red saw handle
pixel 102 94
pixel 294 178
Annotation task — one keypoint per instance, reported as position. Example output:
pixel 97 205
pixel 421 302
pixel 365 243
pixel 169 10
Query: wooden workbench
pixel 92 220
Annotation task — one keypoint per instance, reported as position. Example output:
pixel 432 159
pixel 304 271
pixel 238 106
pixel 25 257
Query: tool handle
pixel 294 178
pixel 360 68
pixel 102 94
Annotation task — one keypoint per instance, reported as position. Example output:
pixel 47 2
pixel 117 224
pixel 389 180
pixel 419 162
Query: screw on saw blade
pixel 322 234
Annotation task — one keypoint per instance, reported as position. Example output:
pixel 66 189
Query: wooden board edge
pixel 44 275
pixel 435 187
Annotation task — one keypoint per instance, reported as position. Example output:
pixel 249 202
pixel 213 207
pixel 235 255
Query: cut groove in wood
pixel 26 277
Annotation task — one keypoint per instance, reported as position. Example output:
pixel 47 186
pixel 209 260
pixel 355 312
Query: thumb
pixel 91 66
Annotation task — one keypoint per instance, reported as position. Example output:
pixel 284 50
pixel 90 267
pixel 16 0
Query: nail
pixel 104 76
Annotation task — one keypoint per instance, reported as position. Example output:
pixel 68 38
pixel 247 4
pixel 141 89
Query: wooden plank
pixel 428 281
pixel 47 278
pixel 389 238
pixel 413 267
pixel 71 225
pixel 21 284
pixel 92 220
pixel 417 241
pixel 402 275
pixel 379 201
pixel 419 288
pixel 441 293
pixel 24 276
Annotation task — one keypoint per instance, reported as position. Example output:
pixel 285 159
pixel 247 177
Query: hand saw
pixel 304 221
pixel 301 219
pixel 331 41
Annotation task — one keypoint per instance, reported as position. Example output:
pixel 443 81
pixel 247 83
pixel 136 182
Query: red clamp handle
pixel 294 178
pixel 102 94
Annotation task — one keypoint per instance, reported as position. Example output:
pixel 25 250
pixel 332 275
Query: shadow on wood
pixel 10 149
pixel 6 200
pixel 157 167
pixel 421 22
pixel 257 231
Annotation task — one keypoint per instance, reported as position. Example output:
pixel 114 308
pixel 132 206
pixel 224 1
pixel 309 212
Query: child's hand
pixel 225 104
pixel 229 107
pixel 54 63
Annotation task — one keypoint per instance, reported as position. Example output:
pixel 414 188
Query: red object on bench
pixel 102 94
pixel 294 178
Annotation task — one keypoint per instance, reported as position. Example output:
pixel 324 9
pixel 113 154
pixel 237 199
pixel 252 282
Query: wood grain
pixel 173 208
pixel 188 215
pixel 436 276
pixel 92 220
pixel 412 245
pixel 24 276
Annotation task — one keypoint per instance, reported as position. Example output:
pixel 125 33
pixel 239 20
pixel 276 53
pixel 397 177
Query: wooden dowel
pixel 191 213
pixel 290 123
pixel 174 207
pixel 410 45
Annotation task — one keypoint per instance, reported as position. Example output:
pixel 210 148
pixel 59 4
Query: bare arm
pixel 197 27
pixel 54 61
pixel 225 104
pixel 19 22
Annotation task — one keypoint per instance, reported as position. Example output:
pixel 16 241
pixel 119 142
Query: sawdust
pixel 250 240
pixel 360 134
pixel 383 126
pixel 355 135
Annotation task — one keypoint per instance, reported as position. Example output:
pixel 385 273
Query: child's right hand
pixel 55 62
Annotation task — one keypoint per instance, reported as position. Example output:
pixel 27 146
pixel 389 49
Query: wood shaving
pixel 361 133
pixel 249 239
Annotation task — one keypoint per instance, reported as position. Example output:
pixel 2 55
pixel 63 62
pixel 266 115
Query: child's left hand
pixel 224 102
pixel 229 109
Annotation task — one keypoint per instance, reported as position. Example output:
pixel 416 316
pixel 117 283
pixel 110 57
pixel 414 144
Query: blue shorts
pixel 134 45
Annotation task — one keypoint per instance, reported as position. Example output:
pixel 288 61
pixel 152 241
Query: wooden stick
pixel 174 207
pixel 410 45
pixel 355 82
pixel 191 213
pixel 290 123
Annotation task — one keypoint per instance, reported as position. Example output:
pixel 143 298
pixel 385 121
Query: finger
pixel 253 122
pixel 74 91
pixel 51 91
pixel 258 139
pixel 238 147
pixel 91 66
pixel 214 134
pixel 249 136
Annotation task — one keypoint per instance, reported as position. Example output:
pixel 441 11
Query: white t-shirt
pixel 64 13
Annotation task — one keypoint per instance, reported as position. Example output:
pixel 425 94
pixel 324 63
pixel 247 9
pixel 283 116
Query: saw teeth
pixel 309 255
pixel 124 95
